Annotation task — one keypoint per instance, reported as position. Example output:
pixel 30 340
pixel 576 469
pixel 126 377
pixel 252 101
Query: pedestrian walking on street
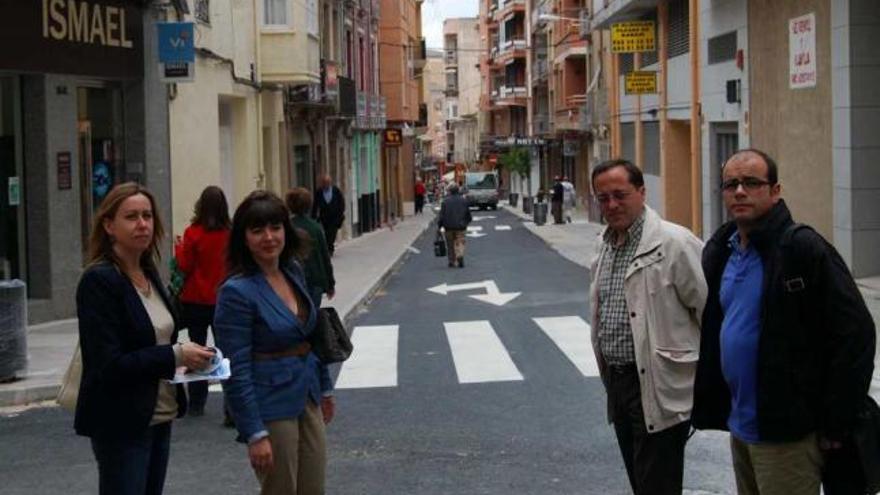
pixel 556 199
pixel 420 192
pixel 280 394
pixel 315 258
pixel 787 347
pixel 329 210
pixel 454 219
pixel 201 257
pixel 647 294
pixel 128 337
pixel 569 199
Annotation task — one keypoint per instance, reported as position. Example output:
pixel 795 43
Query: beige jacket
pixel 665 294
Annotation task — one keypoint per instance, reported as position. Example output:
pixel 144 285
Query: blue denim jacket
pixel 249 318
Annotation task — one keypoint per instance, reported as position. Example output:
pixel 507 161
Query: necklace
pixel 143 285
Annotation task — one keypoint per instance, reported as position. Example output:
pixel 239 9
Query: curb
pixel 369 293
pixel 29 395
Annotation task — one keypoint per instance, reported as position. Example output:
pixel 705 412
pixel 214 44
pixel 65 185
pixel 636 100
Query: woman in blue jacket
pixel 128 337
pixel 279 393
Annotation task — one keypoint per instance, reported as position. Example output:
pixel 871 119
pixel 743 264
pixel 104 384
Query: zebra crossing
pixel 478 354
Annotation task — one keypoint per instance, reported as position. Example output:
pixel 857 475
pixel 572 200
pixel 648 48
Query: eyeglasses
pixel 748 184
pixel 617 195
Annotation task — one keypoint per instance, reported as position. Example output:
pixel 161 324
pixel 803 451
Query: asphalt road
pixel 449 394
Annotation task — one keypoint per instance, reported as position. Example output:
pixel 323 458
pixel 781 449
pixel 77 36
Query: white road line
pixel 474 228
pixel 502 227
pixel 572 335
pixel 374 360
pixel 478 353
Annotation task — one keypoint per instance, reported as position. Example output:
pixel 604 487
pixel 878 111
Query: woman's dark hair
pixel 211 210
pixel 635 173
pixel 299 201
pixel 259 208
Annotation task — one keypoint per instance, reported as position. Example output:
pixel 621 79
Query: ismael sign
pixel 85 23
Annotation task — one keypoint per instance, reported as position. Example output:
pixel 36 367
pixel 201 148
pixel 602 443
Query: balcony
pixel 347 98
pixel 621 10
pixel 420 58
pixel 508 7
pixel 512 96
pixel 509 50
pixel 451 89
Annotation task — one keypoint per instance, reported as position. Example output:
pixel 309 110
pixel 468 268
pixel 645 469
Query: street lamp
pixel 553 17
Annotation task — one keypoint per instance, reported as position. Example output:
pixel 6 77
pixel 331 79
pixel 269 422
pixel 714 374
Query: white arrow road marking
pixel 475 235
pixel 475 228
pixel 492 295
pixel 374 360
pixel 478 218
pixel 502 227
pixel 572 335
pixel 478 353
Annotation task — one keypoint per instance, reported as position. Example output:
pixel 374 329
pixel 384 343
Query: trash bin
pixel 13 329
pixel 527 205
pixel 514 199
pixel 540 215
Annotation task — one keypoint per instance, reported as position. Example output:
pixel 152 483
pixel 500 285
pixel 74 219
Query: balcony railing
pixel 451 56
pixel 576 100
pixel 544 7
pixel 511 45
pixel 513 92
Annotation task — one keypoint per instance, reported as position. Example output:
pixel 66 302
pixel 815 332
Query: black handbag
pixel 329 339
pixel 439 245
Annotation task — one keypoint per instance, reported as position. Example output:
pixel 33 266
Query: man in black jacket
pixel 329 210
pixel 787 345
pixel 454 218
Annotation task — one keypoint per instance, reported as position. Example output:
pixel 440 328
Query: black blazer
pixel 122 364
pixel 329 214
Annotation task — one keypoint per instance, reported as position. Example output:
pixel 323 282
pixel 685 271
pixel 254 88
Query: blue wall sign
pixel 176 42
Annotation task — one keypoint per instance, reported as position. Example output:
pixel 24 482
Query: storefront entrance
pixel 100 132
pixel 12 247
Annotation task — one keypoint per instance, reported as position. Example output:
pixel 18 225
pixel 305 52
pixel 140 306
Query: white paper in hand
pixel 218 369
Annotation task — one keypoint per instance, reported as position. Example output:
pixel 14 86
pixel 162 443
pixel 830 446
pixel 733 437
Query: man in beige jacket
pixel 646 299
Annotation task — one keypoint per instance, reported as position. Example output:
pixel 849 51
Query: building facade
pixel 81 109
pixel 462 89
pixel 402 59
pixel 228 125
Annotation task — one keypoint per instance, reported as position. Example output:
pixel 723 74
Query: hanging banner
pixel 633 36
pixel 802 51
pixel 177 51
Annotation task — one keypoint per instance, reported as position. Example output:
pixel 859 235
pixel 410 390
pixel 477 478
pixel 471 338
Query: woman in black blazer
pixel 128 337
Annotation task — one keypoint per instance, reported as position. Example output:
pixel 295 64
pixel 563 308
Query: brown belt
pixel 301 350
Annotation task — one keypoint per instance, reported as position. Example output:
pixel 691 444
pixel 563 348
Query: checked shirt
pixel 615 333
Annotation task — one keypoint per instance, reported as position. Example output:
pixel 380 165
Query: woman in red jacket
pixel 201 256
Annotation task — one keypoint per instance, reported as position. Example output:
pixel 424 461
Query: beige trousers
pixel 300 453
pixel 789 468
pixel 455 244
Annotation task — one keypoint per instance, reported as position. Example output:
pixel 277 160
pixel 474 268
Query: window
pixel 275 12
pixel 312 22
pixel 722 48
pixel 679 28
pixel 202 11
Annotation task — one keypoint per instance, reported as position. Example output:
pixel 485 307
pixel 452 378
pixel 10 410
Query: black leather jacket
pixel 816 349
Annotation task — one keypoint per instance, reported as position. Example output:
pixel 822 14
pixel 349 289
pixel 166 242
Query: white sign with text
pixel 802 52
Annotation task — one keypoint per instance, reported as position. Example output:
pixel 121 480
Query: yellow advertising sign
pixel 633 36
pixel 641 82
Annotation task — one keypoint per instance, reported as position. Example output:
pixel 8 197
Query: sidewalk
pixel 360 265
pixel 576 242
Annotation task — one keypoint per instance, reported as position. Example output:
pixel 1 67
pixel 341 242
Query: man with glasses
pixel 646 296
pixel 787 346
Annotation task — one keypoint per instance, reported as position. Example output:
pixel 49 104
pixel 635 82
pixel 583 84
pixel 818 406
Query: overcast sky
pixel 435 11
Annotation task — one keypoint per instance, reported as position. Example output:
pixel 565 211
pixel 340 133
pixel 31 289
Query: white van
pixel 481 189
